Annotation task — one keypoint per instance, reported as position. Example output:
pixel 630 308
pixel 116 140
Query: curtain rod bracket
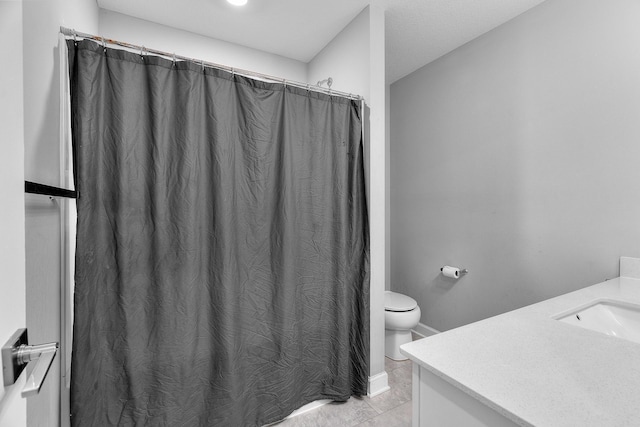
pixel 328 81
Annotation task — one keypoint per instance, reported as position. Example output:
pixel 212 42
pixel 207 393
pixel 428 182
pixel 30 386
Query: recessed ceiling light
pixel 238 2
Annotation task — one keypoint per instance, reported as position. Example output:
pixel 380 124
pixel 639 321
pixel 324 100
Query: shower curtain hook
pixel 104 44
pixel 142 52
pixel 202 63
pixel 75 39
pixel 174 59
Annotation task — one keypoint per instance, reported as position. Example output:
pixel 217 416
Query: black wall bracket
pixel 47 190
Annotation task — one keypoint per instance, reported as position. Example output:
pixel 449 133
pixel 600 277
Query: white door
pixel 13 412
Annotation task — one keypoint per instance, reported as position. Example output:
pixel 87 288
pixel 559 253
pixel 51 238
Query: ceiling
pixel 417 31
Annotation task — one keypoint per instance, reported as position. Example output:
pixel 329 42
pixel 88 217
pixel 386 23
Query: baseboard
pixel 378 383
pixel 306 408
pixel 424 330
pixel 309 407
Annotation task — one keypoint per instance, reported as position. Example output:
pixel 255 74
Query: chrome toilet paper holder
pixel 463 271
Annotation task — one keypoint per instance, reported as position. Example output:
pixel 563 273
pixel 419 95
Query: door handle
pixel 17 353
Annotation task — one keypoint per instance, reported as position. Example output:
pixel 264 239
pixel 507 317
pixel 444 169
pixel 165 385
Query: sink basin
pixel 615 318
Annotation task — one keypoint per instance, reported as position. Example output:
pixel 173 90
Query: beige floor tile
pixel 390 364
pixel 399 416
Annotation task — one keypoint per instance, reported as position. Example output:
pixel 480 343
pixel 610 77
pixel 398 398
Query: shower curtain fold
pixel 222 260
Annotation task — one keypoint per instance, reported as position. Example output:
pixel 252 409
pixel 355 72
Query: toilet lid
pixel 394 301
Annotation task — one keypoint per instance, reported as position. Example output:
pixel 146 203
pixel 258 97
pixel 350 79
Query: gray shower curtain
pixel 222 272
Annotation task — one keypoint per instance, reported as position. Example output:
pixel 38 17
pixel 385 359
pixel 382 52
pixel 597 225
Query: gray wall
pixel 517 156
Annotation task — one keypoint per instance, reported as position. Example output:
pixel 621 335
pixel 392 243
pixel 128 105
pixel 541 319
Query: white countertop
pixel 539 371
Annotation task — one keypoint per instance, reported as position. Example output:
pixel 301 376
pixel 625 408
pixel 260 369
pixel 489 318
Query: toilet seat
pixel 394 301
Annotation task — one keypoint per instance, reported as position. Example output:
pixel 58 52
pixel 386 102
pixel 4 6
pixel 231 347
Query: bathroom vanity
pixel 539 365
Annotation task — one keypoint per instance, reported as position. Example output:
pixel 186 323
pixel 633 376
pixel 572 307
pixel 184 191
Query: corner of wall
pixel 345 58
pixel 82 15
pixel 378 178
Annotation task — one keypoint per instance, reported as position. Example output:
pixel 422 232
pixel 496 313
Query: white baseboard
pixel 424 330
pixel 309 407
pixel 378 383
pixel 306 408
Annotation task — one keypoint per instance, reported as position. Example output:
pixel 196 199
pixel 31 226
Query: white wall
pixel 12 286
pixel 79 14
pixel 139 32
pixel 378 195
pixel 517 156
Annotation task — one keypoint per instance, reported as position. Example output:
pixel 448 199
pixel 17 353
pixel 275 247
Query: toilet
pixel 401 314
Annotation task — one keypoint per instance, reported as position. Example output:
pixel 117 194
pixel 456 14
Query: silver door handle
pixel 16 354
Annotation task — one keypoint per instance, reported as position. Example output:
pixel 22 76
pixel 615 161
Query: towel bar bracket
pixel 17 353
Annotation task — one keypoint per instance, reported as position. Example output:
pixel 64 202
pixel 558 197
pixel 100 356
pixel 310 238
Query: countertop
pixel 538 371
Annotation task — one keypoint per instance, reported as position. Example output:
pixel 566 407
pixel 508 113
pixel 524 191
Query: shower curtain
pixel 222 272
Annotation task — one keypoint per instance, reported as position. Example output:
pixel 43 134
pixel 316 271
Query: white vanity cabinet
pixel 436 403
pixel 529 367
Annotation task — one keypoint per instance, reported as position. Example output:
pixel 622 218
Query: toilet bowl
pixel 401 314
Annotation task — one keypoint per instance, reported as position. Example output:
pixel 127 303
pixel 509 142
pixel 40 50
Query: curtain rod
pixel 70 33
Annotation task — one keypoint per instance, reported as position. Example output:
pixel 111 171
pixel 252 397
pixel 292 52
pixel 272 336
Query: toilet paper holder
pixel 462 271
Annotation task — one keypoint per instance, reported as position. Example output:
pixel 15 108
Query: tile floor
pixel 389 409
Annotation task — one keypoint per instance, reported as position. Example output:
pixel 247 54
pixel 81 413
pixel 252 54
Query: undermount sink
pixel 615 318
